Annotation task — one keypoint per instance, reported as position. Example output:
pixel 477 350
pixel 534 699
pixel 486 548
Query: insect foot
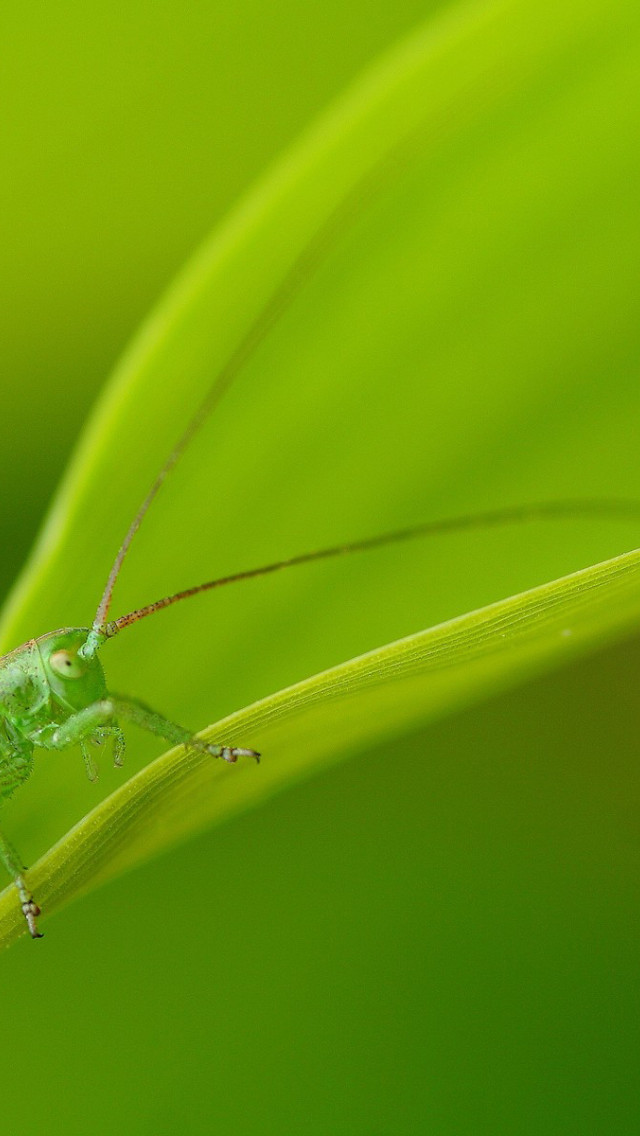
pixel 30 909
pixel 231 754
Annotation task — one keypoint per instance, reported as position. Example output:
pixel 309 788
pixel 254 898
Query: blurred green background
pixel 125 138
pixel 438 936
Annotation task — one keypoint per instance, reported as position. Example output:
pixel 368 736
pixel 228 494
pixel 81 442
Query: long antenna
pixel 551 510
pixel 298 273
pixel 387 167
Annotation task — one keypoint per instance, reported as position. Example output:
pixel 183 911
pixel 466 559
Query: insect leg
pixel 97 738
pixel 141 715
pixel 86 721
pixel 118 746
pixel 16 763
pixel 89 763
pixel 30 908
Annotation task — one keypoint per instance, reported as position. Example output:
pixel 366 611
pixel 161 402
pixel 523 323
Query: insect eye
pixel 66 664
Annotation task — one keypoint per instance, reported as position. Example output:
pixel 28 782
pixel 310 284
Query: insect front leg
pixel 88 721
pixel 12 863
